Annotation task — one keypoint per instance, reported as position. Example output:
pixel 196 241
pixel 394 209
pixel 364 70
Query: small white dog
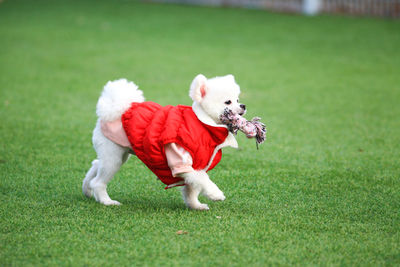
pixel 178 143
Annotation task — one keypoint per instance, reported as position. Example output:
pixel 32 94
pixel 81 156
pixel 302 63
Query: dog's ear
pixel 198 88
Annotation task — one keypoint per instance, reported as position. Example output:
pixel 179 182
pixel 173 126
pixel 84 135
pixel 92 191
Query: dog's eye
pixel 228 102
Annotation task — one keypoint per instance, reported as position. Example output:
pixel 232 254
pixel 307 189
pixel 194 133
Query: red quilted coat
pixel 149 127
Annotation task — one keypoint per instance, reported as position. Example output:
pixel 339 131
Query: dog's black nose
pixel 243 106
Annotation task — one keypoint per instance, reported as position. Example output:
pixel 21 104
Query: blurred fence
pixel 381 8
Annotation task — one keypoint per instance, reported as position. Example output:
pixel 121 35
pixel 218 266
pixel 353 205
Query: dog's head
pixel 216 94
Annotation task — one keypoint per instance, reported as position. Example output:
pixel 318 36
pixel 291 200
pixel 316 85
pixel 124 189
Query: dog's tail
pixel 116 98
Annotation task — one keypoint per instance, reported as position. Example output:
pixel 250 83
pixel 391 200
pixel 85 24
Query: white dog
pixel 179 144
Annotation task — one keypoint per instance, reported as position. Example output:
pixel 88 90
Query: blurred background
pixel 381 8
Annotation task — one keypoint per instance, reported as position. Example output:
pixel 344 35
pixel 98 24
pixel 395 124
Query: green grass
pixel 323 190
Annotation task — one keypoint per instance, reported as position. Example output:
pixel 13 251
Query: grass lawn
pixel 323 190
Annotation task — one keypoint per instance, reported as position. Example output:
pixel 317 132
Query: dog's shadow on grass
pixel 142 203
pixel 152 203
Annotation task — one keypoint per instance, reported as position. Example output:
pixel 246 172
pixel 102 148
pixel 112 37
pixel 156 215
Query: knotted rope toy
pixel 254 128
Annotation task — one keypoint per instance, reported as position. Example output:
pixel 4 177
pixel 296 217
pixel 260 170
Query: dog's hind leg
pixel 110 159
pixel 87 191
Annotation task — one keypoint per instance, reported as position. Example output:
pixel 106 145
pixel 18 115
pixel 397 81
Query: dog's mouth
pixel 241 113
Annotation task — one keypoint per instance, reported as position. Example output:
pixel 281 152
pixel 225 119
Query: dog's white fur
pixel 209 97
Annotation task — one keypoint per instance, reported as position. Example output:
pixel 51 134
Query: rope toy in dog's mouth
pixel 254 128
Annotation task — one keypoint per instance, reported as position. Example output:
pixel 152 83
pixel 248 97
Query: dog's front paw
pixel 110 202
pixel 215 195
pixel 202 207
pixel 199 206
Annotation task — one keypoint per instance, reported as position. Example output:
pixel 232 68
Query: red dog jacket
pixel 149 127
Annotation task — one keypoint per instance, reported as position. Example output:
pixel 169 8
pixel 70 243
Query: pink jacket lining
pixel 179 160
